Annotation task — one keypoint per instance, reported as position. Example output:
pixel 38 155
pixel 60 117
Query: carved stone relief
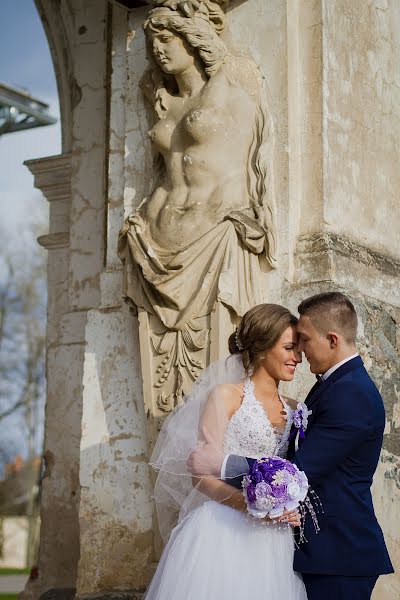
pixel 194 248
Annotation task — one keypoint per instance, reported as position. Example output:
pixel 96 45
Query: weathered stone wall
pixel 331 69
pixel 379 346
pixel 116 513
pixel 60 488
pixel 361 76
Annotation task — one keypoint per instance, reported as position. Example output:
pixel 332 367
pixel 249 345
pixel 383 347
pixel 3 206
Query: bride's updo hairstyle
pixel 258 331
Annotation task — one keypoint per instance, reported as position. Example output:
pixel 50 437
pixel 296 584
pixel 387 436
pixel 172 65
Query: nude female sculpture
pixel 197 239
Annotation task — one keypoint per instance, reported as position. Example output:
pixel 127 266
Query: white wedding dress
pixel 219 553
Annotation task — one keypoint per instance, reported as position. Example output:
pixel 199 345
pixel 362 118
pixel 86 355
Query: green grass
pixel 8 596
pixel 13 571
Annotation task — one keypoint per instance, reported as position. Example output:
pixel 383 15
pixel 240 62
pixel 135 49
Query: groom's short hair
pixel 331 311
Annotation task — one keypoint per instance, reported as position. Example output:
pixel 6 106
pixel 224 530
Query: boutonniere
pixel 300 422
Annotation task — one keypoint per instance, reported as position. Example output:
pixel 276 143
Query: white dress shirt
pixel 339 364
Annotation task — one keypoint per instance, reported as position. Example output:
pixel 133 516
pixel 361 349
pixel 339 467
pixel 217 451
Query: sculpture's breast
pixel 202 123
pixel 161 134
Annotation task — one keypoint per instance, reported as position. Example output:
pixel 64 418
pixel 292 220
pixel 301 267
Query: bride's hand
pixel 291 517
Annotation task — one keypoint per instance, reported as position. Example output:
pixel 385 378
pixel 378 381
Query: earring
pixel 262 357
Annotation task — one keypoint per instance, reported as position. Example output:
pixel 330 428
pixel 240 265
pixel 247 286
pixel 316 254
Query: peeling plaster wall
pixel 258 29
pixel 361 79
pixel 115 511
pixel 379 346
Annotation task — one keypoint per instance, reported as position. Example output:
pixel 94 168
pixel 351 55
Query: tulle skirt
pixel 218 553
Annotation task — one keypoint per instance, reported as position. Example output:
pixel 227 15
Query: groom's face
pixel 315 345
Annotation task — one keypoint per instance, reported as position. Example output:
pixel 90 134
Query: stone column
pixel 115 513
pixel 59 533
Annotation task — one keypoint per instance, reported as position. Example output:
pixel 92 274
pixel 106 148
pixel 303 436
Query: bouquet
pixel 272 486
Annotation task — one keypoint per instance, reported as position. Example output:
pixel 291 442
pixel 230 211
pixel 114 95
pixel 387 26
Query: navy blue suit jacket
pixel 339 455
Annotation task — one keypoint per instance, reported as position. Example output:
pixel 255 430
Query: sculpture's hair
pixel 258 331
pixel 260 171
pixel 197 31
pixel 331 311
pixel 212 10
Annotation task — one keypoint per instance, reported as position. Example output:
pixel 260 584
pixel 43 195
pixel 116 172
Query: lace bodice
pixel 250 432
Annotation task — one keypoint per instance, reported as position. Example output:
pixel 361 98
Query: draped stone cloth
pixel 181 286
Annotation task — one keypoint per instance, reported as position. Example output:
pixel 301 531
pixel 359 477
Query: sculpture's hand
pixel 206 459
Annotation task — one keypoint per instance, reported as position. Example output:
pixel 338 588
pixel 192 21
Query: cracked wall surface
pixel 332 82
pixel 361 82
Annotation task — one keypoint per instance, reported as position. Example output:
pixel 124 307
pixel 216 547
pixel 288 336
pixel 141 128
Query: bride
pixel 217 551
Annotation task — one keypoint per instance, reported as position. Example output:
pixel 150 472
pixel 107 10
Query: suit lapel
pixel 316 391
pixel 314 388
pixel 320 387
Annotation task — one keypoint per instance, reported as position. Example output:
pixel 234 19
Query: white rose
pixel 303 479
pixel 293 490
pixel 264 504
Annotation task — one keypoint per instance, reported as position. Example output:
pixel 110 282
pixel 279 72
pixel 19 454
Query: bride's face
pixel 172 52
pixel 281 360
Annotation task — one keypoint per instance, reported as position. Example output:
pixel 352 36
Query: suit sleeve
pixel 344 421
pixel 236 468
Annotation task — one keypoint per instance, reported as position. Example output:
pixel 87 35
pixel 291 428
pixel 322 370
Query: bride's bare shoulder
pixel 231 394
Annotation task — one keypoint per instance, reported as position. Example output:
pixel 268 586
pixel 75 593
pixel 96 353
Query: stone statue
pixel 200 236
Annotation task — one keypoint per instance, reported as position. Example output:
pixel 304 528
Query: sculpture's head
pixel 181 30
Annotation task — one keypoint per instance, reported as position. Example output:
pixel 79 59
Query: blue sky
pixel 25 62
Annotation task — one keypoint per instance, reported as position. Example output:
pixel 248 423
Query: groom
pixel 339 454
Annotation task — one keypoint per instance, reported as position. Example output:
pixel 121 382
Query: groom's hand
pixel 206 459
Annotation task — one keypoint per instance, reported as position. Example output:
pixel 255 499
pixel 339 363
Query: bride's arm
pixel 222 403
pixel 220 492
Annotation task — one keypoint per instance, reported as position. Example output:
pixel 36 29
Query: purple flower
pixel 275 463
pixel 279 491
pixel 298 421
pixel 290 468
pixel 280 463
pixel 300 418
pixel 267 470
pixel 256 477
pixel 263 490
pixel 254 468
pixel 251 493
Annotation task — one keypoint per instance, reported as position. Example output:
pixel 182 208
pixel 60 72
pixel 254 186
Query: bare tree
pixel 22 357
pixel 22 332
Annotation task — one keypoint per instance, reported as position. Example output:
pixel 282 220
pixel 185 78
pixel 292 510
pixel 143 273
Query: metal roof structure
pixel 19 110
